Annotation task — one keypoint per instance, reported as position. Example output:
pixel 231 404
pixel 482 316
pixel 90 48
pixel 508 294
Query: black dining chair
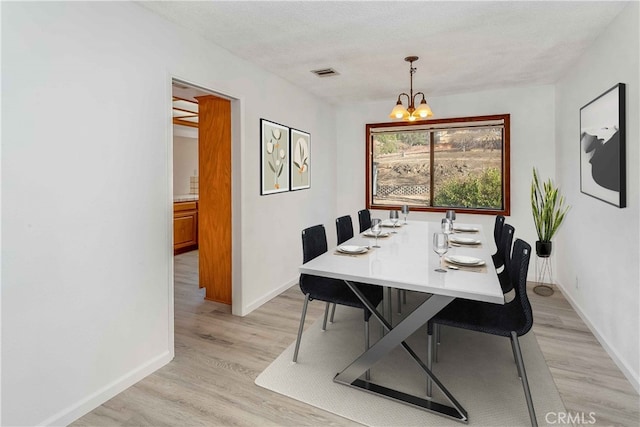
pixel 344 228
pixel 513 319
pixel 506 240
pixel 504 247
pixel 344 231
pixel 364 218
pixel 314 243
pixel 498 257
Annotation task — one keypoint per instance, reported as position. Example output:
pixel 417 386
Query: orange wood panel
pixel 184 123
pixel 214 205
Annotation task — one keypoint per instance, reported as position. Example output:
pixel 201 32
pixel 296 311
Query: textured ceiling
pixel 463 46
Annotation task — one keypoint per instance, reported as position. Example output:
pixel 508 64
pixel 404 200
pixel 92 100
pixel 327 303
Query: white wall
pixel 598 254
pixel 532 144
pixel 185 163
pixel 87 274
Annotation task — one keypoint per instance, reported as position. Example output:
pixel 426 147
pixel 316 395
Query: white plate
pixel 464 240
pixel 387 223
pixel 369 233
pixel 348 249
pixel 465 228
pixel 464 260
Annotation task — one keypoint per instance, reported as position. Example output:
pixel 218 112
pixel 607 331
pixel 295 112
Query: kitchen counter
pixel 185 198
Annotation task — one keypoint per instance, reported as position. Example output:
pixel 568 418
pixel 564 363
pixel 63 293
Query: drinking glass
pixel 451 215
pixel 393 216
pixel 376 229
pixel 447 226
pixel 440 246
pixel 405 212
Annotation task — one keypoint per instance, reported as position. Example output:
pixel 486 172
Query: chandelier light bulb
pixel 424 110
pixel 398 111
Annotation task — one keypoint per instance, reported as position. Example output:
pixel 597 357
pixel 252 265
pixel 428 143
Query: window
pixel 434 165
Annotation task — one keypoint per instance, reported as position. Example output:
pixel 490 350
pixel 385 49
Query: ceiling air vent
pixel 325 72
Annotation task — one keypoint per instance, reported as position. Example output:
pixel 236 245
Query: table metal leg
pixel 437 343
pixel 393 338
pixel 429 362
pixel 390 307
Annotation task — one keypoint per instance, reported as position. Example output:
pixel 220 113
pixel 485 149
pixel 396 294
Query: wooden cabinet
pixel 185 226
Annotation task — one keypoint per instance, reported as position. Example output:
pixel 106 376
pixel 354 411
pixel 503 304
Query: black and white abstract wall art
pixel 602 147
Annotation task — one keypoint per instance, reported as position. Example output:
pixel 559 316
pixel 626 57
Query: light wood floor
pixel 217 357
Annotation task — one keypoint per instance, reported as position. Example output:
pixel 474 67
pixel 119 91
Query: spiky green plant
pixel 547 206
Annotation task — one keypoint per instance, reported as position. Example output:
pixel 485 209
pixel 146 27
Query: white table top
pixel 406 260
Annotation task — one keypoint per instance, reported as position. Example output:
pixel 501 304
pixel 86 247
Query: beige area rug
pixel 478 369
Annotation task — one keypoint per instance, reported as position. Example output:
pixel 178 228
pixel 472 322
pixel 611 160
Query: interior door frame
pixel 237 111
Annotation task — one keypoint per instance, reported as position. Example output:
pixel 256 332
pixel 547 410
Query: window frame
pixel 506 163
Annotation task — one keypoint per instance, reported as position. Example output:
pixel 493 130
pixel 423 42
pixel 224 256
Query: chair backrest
pixel 504 250
pixel 314 242
pixel 364 218
pixel 344 228
pixel 518 268
pixel 497 231
pixel 499 257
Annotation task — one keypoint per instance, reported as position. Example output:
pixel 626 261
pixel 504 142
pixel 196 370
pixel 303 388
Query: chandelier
pixel 411 113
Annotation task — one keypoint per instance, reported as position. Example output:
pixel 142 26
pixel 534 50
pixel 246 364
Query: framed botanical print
pixel 300 160
pixel 274 157
pixel 602 147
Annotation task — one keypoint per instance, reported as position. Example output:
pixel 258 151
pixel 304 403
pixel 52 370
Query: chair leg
pixel 333 312
pixel 326 314
pixel 367 375
pixel 399 304
pixel 304 314
pixel 515 358
pixel 525 382
pixel 404 296
pixel 429 362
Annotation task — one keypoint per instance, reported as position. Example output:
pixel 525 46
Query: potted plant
pixel 547 206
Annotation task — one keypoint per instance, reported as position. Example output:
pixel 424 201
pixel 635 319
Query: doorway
pixel 203 217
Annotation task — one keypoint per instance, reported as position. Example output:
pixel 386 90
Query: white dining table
pixel 406 260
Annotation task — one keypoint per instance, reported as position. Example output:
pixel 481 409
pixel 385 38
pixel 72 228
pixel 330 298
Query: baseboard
pixel 86 405
pixel 268 297
pixel 626 370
